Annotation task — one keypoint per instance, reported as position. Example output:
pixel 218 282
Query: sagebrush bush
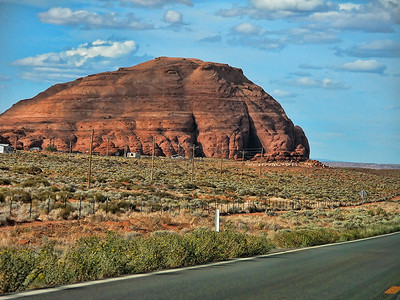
pixel 304 238
pixel 94 257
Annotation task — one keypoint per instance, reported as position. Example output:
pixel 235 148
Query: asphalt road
pixel 358 270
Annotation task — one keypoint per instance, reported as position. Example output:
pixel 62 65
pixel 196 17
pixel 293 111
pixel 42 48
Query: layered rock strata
pixel 177 102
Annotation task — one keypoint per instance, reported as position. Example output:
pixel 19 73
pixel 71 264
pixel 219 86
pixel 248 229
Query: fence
pixel 82 207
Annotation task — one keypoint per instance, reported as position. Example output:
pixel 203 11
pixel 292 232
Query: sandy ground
pixel 65 232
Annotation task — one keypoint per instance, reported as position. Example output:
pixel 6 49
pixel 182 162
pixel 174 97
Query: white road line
pixel 127 277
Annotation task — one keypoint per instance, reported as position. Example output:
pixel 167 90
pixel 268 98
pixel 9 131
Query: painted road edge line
pixel 127 277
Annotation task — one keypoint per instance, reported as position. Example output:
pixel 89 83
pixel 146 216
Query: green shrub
pixel 29 170
pixel 21 195
pixel 305 238
pixel 35 182
pixel 65 212
pixel 94 257
pixel 116 207
pixel 51 148
pixel 15 266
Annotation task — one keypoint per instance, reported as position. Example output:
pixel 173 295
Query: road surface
pixel 357 270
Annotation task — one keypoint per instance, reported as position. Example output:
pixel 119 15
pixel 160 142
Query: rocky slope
pixel 179 102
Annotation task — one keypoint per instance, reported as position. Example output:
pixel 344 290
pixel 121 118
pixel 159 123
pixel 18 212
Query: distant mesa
pixel 180 102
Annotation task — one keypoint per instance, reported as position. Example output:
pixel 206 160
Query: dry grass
pixel 66 232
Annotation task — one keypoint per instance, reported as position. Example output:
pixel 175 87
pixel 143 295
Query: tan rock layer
pixel 179 102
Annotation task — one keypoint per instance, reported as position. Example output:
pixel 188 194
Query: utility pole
pixel 242 162
pixel 152 161
pixel 220 162
pixel 192 175
pixel 262 153
pixel 90 159
pixel 70 146
pixel 108 139
pixel 16 139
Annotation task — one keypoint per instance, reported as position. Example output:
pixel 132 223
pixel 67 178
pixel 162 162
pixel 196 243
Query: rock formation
pixel 179 102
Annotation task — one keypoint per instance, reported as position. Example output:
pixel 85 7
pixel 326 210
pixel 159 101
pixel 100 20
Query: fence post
pixel 30 209
pixel 217 220
pixel 48 205
pixel 11 201
pixel 80 207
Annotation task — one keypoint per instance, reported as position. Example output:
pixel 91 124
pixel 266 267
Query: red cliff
pixel 178 101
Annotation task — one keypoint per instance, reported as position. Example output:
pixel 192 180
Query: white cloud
pixel 287 5
pixel 77 57
pixel 309 82
pixel 349 6
pixel 105 49
pixel 91 20
pixel 249 29
pixel 377 48
pixel 157 3
pixel 303 35
pixel 368 21
pixel 373 16
pixel 260 43
pixel 173 17
pixel 74 62
pixel 367 66
pixel 283 94
pixel 276 9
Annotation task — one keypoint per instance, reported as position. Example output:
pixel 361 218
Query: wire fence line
pixel 153 172
pixel 77 209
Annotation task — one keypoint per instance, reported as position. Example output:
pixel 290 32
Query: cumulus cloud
pixel 173 17
pixel 304 35
pixel 377 48
pixel 249 29
pixel 287 5
pixel 74 62
pixel 374 16
pixel 275 9
pixel 367 21
pixel 365 66
pixel 283 94
pixel 156 3
pixel 267 44
pixel 309 82
pixel 91 20
pixel 250 35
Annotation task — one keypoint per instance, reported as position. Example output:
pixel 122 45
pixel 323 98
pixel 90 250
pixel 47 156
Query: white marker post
pixel 363 194
pixel 217 220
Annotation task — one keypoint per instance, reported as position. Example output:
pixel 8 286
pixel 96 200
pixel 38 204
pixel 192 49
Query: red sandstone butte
pixel 177 101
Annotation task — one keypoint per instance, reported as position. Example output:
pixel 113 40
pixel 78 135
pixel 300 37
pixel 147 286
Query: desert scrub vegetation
pixel 319 236
pixel 94 257
pixel 118 179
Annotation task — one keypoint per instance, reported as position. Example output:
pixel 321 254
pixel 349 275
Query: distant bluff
pixel 178 101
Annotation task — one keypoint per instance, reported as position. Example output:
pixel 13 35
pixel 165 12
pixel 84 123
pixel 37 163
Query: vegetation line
pixel 98 258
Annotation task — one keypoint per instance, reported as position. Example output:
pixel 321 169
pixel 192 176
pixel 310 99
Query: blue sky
pixel 333 65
